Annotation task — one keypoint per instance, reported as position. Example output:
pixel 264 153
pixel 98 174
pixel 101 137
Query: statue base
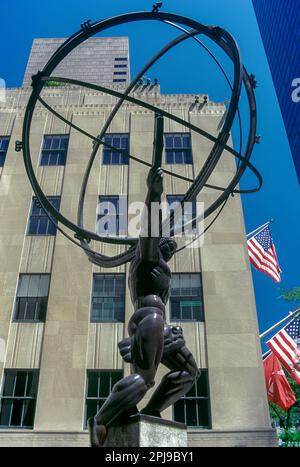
pixel 147 432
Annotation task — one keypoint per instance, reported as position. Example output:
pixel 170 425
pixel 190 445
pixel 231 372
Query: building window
pixel 112 216
pixel 119 80
pixel 194 408
pixel 39 223
pixel 55 148
pixel 120 59
pixel 4 142
pixel 120 72
pixel 120 66
pixel 32 297
pixel 119 141
pixel 186 300
pixel 186 214
pixel 108 301
pixel 18 399
pixel 178 148
pixel 98 387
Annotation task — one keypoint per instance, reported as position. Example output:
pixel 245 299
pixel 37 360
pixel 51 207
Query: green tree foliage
pixel 291 295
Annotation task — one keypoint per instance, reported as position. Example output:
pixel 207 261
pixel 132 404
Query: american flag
pixel 263 254
pixel 286 346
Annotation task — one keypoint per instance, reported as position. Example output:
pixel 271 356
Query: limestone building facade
pixel 100 60
pixel 61 317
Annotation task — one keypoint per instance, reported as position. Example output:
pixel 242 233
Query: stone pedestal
pixel 145 431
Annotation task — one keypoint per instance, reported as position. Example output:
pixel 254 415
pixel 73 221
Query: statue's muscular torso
pixel 148 278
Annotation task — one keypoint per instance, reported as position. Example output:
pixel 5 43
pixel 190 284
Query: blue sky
pixel 188 70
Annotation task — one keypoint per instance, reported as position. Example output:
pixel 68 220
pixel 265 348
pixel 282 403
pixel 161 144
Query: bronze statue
pixel 150 340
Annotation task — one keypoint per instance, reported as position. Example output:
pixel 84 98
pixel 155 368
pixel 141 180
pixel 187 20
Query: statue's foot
pixel 97 433
pixel 152 413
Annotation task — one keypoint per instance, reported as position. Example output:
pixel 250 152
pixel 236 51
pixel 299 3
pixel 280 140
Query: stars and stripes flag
pixel 263 255
pixel 286 346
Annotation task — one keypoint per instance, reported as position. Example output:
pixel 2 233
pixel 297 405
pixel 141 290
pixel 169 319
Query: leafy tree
pixel 291 295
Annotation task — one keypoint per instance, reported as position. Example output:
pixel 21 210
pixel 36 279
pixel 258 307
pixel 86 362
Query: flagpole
pixel 287 318
pixel 259 229
pixel 267 354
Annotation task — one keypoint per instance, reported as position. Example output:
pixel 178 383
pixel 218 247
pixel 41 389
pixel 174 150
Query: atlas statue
pixel 150 340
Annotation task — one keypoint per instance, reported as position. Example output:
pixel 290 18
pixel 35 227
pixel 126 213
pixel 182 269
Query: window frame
pixel 92 320
pixel 31 215
pixel 16 320
pixel 108 199
pixel 194 212
pixel 174 320
pixel 98 399
pixel 182 149
pixel 205 398
pixel 65 151
pixel 36 373
pixel 111 151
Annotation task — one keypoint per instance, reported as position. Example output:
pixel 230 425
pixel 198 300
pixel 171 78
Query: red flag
pixel 278 388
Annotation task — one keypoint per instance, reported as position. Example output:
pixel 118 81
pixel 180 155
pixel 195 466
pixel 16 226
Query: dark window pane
pixel 21 305
pixel 9 383
pixel 91 408
pixel 92 389
pixel 31 308
pixel 203 412
pixel 33 226
pixel 175 309
pixel 104 384
pixel 16 416
pixel 28 413
pixel 179 411
pixel 20 384
pixel 106 157
pixel 55 201
pixel 202 386
pixel 41 309
pixel 32 384
pixel 115 377
pixel 51 228
pixel 4 142
pixel 42 226
pixel 5 412
pixel 191 412
pixel 192 392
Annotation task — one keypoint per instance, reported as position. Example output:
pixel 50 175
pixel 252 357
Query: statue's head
pixel 168 248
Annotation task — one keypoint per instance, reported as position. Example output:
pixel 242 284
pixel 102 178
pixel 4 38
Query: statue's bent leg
pixel 179 381
pixel 147 332
pixel 125 394
pixel 147 345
